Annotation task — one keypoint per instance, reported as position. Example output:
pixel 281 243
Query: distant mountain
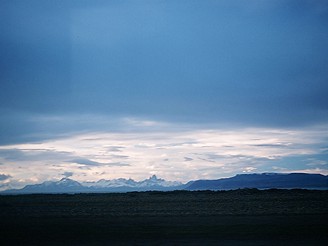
pixel 153 181
pixel 64 185
pixel 240 181
pixel 67 185
pixel 263 181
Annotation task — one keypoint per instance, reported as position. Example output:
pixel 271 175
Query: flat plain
pixel 238 217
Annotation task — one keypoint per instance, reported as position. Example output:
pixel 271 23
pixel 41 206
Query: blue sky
pixel 181 89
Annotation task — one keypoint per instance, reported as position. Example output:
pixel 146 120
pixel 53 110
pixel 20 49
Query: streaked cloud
pixel 95 163
pixel 4 176
pixel 172 153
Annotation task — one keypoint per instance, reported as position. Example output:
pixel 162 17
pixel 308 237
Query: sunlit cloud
pixel 180 155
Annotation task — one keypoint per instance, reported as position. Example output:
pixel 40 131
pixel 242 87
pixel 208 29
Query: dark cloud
pixel 120 156
pixel 212 157
pixel 33 154
pixel 188 159
pixel 88 162
pixel 204 159
pixel 68 174
pixel 17 127
pixel 52 155
pixel 115 148
pixel 262 63
pixel 4 177
pixel 118 164
pixel 12 154
pixel 280 145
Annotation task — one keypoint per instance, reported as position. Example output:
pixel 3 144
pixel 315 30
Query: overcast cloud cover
pixel 183 89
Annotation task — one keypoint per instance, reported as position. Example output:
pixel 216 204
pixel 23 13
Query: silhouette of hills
pixel 263 181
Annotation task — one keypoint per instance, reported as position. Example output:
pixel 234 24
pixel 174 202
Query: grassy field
pixel 240 217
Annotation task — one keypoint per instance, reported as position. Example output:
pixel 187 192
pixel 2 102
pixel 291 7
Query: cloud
pixel 183 154
pixel 316 162
pixel 222 92
pixel 273 145
pixel 55 156
pixel 323 171
pixel 88 162
pixel 115 148
pixel 249 169
pixel 135 122
pixel 12 154
pixel 118 164
pixel 120 156
pixel 212 157
pixel 33 154
pixel 68 174
pixel 4 177
pixel 243 72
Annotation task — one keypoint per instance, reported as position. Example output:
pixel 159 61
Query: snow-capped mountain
pixel 66 182
pixel 67 185
pixel 102 183
pixel 153 181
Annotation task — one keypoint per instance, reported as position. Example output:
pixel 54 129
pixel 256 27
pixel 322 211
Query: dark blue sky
pixel 72 66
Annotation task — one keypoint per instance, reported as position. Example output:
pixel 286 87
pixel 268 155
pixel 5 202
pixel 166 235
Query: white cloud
pixel 142 123
pixel 180 155
pixel 249 169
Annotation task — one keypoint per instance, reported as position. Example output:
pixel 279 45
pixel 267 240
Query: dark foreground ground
pixel 241 217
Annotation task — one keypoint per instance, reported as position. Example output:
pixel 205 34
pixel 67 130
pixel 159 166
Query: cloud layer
pixel 259 63
pixel 173 154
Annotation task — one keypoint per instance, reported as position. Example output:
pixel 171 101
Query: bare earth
pixel 241 217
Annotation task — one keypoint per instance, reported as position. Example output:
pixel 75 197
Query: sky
pixel 183 89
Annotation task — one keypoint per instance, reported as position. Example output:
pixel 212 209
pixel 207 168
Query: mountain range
pixel 264 181
pixel 67 185
pixel 240 181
